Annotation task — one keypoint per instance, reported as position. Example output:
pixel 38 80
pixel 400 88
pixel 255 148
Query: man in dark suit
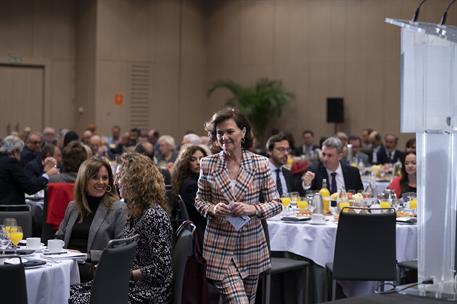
pixel 278 149
pixel 338 175
pixel 31 149
pixel 388 153
pixel 14 182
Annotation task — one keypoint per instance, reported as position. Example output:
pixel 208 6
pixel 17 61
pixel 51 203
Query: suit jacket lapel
pixel 346 177
pixel 245 177
pixel 99 217
pixel 71 223
pixel 223 180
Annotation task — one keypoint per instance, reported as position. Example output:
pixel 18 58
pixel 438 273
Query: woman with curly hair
pixel 185 182
pixel 141 184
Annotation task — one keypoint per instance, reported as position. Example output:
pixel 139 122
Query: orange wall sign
pixel 118 99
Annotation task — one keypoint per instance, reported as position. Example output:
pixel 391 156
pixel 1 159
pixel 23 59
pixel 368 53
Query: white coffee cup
pixel 33 242
pixel 317 218
pixel 55 245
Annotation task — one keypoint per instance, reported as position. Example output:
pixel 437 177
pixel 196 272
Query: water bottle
pixel 318 204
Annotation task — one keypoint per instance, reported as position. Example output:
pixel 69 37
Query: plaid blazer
pixel 248 246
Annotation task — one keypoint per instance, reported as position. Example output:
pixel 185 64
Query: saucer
pixel 47 252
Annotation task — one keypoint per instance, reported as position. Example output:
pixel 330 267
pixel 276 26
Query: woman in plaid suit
pixel 235 183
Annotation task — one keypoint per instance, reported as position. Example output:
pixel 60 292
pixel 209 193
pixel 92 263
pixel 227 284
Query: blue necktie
pixel 278 182
pixel 333 187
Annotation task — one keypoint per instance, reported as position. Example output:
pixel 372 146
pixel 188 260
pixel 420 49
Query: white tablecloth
pixel 317 243
pixel 50 284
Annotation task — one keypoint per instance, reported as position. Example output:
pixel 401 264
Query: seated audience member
pixel 358 157
pixel 98 147
pixel 96 215
pixel 308 149
pixel 376 145
pixel 406 182
pixel 166 155
pixel 32 148
pixel 366 142
pixel 141 185
pixel 34 168
pixel 49 136
pixel 410 145
pixel 14 182
pixel 146 148
pixel 115 136
pixel 389 153
pixel 85 137
pixel 69 137
pixel 344 142
pixel 134 136
pixel 185 179
pixel 278 150
pixel 73 155
pixel 153 136
pixel 339 176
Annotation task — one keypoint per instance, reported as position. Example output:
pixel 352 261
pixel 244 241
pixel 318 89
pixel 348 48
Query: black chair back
pixel 179 212
pixel 111 282
pixel 365 247
pixel 13 285
pixel 22 214
pixel 182 249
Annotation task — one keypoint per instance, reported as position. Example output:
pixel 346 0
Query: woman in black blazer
pixel 184 182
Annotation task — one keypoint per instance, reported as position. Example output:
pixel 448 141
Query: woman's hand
pixel 240 208
pixel 221 209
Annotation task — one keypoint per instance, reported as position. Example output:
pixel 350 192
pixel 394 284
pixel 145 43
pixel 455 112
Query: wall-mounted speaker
pixel 335 109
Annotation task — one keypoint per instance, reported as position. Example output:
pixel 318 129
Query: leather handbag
pixel 195 288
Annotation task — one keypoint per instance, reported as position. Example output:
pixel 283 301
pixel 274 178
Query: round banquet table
pixel 50 284
pixel 317 243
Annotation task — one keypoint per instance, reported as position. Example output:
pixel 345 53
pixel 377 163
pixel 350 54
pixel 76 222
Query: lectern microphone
pixel 416 13
pixel 444 17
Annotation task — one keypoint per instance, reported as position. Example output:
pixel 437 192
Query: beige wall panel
pixel 125 30
pixel 112 79
pixel 62 110
pixel 194 34
pixel 250 73
pixel 192 104
pixel 290 39
pixel 224 32
pixel 166 36
pixel 256 37
pixel 16 28
pixel 165 95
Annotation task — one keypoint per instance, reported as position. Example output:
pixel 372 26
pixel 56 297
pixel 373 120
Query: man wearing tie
pixel 278 149
pixel 388 153
pixel 338 175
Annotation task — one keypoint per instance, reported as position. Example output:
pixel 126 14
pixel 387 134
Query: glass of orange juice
pixel 302 203
pixel 15 235
pixel 385 204
pixel 285 200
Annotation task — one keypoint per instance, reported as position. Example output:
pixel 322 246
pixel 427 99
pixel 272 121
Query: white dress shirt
pixel 339 178
pixel 273 169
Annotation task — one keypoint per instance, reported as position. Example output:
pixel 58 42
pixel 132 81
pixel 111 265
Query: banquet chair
pixel 283 265
pixel 179 210
pixel 13 284
pixel 365 247
pixel 111 281
pixel 182 249
pixel 22 214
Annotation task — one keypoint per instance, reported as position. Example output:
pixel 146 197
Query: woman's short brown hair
pixel 241 121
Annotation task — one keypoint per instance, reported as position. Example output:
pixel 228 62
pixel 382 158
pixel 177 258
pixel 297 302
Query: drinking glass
pixel 285 200
pixel 4 240
pixel 302 203
pixel 15 235
pixel 294 198
pixel 9 222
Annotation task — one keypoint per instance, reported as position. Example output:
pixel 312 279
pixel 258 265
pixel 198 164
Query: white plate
pixel 316 223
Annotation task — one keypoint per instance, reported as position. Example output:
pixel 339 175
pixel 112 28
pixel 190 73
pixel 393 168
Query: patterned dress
pixel 153 257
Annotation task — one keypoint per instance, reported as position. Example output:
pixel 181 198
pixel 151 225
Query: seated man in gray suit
pixel 338 175
pixel 278 150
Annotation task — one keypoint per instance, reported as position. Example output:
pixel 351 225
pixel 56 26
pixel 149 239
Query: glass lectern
pixel 428 108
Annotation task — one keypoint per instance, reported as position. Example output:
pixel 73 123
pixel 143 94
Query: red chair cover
pixel 59 195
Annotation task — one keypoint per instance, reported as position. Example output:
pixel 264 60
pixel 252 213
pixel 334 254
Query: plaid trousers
pixel 235 289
